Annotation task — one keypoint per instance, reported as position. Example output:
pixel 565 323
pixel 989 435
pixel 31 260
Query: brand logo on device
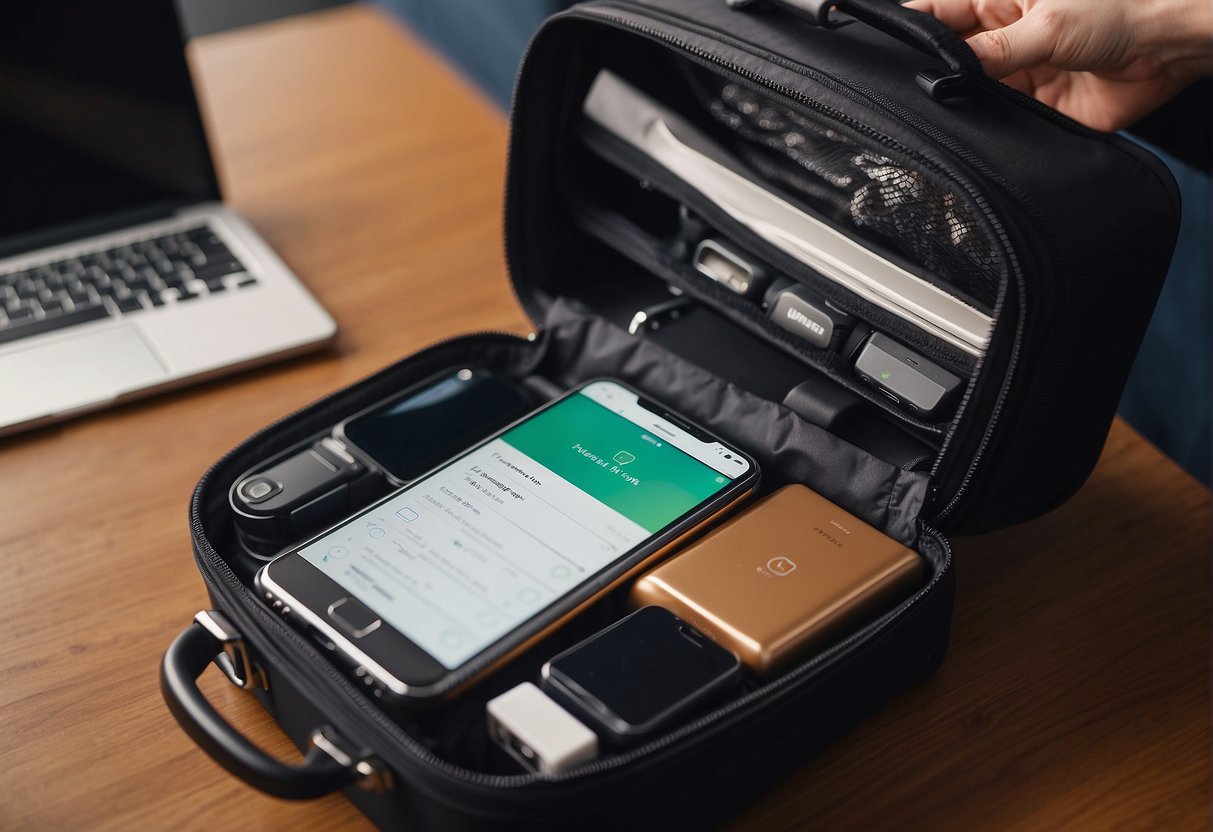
pixel 829 537
pixel 805 321
pixel 781 566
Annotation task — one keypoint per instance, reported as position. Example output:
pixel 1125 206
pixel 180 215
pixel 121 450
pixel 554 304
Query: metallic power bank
pixel 787 576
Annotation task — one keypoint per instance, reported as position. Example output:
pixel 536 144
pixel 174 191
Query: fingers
pixel 1025 43
pixel 1022 81
pixel 1003 50
pixel 957 15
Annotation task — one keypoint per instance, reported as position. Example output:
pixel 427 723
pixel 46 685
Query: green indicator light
pixel 885 375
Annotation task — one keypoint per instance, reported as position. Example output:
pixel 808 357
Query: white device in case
pixel 539 734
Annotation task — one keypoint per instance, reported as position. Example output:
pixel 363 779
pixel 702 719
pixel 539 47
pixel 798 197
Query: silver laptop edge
pixel 66 372
pixel 685 151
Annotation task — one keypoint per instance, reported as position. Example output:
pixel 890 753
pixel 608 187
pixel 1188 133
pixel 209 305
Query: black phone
pixel 640 675
pixel 407 435
pixel 427 591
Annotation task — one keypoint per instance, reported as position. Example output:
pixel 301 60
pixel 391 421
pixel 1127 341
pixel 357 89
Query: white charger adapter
pixel 542 736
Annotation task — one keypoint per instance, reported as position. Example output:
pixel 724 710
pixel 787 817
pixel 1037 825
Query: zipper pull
pixel 817 12
pixel 950 87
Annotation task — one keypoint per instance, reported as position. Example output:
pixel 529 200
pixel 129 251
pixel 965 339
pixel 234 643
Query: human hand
pixel 1105 63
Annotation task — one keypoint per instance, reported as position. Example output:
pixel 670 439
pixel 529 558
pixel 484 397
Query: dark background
pixel 205 16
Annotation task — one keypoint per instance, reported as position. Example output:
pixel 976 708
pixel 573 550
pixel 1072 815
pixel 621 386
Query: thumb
pixel 1025 43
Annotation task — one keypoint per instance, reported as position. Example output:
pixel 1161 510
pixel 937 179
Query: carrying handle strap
pixel 922 31
pixel 326 767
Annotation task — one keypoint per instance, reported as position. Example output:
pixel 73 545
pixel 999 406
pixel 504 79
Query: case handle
pixel 327 766
pixel 922 31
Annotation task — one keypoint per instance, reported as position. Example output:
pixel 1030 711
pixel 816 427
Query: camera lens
pixel 258 489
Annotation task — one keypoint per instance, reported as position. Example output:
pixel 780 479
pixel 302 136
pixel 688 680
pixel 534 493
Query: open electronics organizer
pixel 867 119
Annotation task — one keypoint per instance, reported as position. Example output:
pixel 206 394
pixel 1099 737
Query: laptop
pixel 121 270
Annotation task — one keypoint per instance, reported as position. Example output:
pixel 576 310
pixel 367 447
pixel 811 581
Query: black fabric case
pixel 1077 229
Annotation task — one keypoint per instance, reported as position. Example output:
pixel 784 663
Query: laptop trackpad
pixel 74 372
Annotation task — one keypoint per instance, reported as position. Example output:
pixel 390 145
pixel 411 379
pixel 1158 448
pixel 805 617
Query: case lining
pixel 581 346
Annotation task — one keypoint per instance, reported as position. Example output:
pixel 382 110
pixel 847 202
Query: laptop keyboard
pixel 180 267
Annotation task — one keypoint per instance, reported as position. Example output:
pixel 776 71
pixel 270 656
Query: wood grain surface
pixel 1075 693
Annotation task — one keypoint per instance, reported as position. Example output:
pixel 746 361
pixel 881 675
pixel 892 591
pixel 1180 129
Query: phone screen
pixel 410 435
pixel 462 557
pixel 640 672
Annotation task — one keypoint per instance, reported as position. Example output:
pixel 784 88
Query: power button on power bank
pixel 353 617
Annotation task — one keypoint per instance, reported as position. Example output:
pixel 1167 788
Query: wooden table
pixel 1075 693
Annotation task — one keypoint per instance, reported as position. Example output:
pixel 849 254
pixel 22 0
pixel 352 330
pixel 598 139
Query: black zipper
pixel 511 135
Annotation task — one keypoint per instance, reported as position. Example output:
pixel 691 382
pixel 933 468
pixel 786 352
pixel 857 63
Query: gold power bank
pixel 789 575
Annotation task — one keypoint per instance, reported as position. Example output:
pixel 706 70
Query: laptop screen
pixel 97 115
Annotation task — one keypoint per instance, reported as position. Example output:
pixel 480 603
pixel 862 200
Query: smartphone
pixel 640 675
pixel 409 434
pixel 432 588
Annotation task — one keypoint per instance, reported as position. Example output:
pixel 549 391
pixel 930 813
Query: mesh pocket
pixel 901 209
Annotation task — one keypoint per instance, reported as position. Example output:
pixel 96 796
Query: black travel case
pixel 1062 233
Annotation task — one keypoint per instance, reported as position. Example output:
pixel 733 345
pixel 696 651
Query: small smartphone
pixel 407 435
pixel 427 591
pixel 640 675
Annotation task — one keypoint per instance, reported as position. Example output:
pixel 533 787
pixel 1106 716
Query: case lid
pixel 1030 183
